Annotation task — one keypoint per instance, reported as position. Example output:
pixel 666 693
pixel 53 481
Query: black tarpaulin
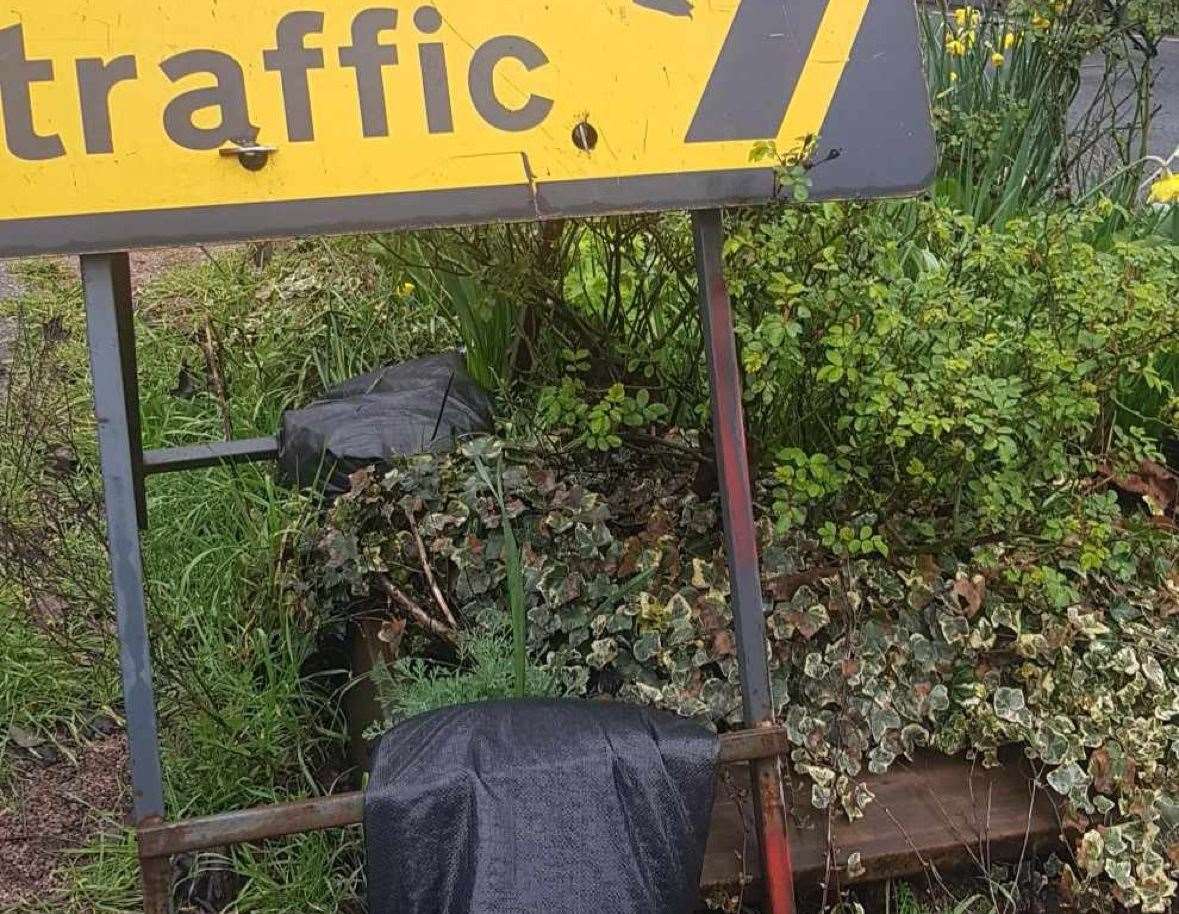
pixel 399 410
pixel 539 807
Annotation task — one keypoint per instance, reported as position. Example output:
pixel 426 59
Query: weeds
pixel 244 720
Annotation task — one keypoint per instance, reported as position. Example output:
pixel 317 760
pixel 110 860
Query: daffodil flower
pixel 1039 22
pixel 1165 190
pixel 1009 41
pixel 956 48
pixel 998 59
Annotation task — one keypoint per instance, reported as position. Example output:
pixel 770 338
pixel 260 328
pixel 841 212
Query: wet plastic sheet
pixel 400 410
pixel 539 807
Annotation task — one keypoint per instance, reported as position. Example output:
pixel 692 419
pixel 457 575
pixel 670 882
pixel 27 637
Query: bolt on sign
pixel 127 123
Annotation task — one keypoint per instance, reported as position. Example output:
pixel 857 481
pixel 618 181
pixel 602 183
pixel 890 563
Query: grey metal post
pixel 106 281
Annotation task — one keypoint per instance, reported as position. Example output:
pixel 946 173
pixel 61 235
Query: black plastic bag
pixel 405 409
pixel 539 807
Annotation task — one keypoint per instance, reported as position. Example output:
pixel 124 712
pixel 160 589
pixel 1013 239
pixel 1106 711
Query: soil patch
pixel 9 287
pixel 7 338
pixel 55 808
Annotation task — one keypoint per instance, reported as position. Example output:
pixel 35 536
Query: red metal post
pixel 728 426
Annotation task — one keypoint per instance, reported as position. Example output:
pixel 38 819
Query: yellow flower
pixel 406 289
pixel 1165 190
pixel 1039 22
pixel 1009 41
pixel 953 76
pixel 956 48
pixel 1060 7
pixel 967 17
pixel 998 59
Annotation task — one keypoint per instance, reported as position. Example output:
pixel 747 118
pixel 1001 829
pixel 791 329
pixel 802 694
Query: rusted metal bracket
pixel 162 839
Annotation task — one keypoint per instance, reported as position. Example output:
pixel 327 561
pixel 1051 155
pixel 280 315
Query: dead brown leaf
pixel 1100 769
pixel 1156 485
pixel 970 593
pixel 927 566
pixel 723 644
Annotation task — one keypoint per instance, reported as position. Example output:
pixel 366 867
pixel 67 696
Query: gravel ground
pixel 8 288
pixel 58 805
pixel 8 283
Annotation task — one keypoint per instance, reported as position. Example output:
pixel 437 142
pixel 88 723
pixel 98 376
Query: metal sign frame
pixel 875 141
pixel 107 288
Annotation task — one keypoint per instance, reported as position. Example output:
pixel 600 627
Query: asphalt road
pixel 1164 138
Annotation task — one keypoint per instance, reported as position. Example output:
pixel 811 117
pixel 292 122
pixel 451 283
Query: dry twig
pixel 210 348
pixel 428 571
pixel 438 629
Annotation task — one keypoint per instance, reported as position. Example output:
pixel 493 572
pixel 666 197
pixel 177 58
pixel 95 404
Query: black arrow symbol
pixel 672 7
pixel 757 71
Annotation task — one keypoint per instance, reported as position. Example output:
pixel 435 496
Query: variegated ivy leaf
pixel 1068 778
pixel 1010 705
pixel 602 653
pixel 1004 616
pixel 1087 623
pixel 954 629
pixel 647 647
pixel 880 760
pixel 815 667
pixel 881 720
pixel 1092 852
pixel 1153 671
pixel 1119 870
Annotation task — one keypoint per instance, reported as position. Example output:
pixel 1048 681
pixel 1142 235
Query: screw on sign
pixel 355 117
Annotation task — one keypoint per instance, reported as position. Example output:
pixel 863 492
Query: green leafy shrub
pixel 897 356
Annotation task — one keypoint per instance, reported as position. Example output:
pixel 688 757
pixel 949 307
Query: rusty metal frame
pixel 159 841
pixel 736 488
pixel 107 287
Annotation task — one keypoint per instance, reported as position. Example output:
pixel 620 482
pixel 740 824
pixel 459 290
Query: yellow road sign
pixel 117 115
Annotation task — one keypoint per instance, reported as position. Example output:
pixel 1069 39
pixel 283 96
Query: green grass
pixel 242 724
pixel 902 899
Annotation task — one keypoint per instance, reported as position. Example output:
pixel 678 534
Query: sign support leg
pixel 728 423
pixel 106 280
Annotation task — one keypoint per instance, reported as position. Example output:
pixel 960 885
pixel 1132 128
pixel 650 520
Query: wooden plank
pixel 936 811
